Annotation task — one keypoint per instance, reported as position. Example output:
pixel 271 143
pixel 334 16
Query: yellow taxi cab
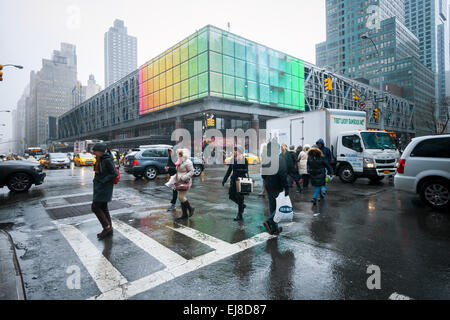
pixel 84 159
pixel 44 161
pixel 251 159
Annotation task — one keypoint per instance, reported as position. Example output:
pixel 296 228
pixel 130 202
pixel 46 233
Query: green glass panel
pixel 240 87
pixel 262 55
pixel 184 89
pixel 228 65
pixel 273 59
pixel 193 67
pixel 216 82
pixel 264 94
pixel 184 52
pixel 302 101
pixel 228 45
pixel 228 85
pixel 288 81
pixel 184 71
pixel 296 99
pixel 302 84
pixel 281 97
pixel 263 75
pixel 288 97
pixel 295 83
pixel 282 81
pixel 203 83
pixel 240 50
pixel 193 48
pixel 274 78
pixel 251 72
pixel 215 41
pixel 288 66
pixel 301 69
pixel 215 59
pixel 274 96
pixel 295 69
pixel 202 42
pixel 252 91
pixel 203 62
pixel 282 64
pixel 193 86
pixel 251 53
pixel 239 68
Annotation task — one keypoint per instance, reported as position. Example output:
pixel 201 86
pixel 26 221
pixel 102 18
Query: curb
pixel 10 274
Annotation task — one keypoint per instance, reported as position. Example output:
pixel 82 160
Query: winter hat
pixel 292 148
pixel 100 147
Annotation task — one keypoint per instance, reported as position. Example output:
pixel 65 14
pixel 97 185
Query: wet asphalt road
pixel 323 254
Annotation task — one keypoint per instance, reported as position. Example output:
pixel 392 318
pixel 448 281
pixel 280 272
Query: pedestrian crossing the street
pixel 114 286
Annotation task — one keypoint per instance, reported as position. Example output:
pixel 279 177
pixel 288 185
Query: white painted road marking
pixel 396 296
pixel 169 258
pixel 101 270
pixel 203 238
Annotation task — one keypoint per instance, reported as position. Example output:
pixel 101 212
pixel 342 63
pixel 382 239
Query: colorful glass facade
pixel 213 62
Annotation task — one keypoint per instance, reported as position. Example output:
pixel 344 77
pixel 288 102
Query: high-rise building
pixel 427 19
pixel 50 93
pixel 120 53
pixel 92 87
pixel 389 52
pixel 19 121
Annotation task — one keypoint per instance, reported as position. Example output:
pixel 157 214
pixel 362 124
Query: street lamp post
pixel 365 36
pixel 13 65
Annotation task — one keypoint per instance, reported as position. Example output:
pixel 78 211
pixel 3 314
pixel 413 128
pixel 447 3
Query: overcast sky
pixel 31 29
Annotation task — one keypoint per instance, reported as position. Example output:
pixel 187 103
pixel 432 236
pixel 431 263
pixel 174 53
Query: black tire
pixel 197 171
pixel 151 173
pixel 436 193
pixel 376 179
pixel 346 174
pixel 19 182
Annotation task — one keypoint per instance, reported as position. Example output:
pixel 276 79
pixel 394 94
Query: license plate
pixel 386 172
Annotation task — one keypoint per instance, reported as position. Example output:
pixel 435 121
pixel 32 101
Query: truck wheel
pixel 19 182
pixel 151 173
pixel 436 193
pixel 346 174
pixel 197 171
pixel 376 179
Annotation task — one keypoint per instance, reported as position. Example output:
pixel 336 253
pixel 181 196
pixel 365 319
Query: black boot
pixel 190 209
pixel 184 210
pixel 240 212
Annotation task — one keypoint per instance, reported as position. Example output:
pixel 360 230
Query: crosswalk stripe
pixel 203 238
pixel 169 258
pixel 101 270
pixel 147 283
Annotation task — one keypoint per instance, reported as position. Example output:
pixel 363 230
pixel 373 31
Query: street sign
pixel 362 106
pixel 380 99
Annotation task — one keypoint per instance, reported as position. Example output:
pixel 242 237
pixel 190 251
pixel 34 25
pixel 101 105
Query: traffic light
pixel 211 122
pixel 376 115
pixel 355 96
pixel 1 73
pixel 328 85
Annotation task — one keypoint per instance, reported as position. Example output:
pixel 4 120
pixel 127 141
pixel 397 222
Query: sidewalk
pixel 11 283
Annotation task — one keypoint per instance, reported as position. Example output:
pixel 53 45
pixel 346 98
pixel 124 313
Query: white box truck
pixel 357 152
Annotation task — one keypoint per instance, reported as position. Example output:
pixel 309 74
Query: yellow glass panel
pixel 150 70
pixel 155 68
pixel 176 56
pixel 169 63
pixel 156 99
pixel 169 92
pixel 162 80
pixel 150 86
pixel 176 74
pixel 156 83
pixel 169 77
pixel 162 97
pixel 177 92
pixel 150 101
pixel 162 64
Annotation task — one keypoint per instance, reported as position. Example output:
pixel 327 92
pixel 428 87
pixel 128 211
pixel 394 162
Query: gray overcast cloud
pixel 31 29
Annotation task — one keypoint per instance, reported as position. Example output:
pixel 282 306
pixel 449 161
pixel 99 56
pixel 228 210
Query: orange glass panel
pixel 150 86
pixel 150 101
pixel 145 77
pixel 177 92
pixel 145 88
pixel 176 74
pixel 169 92
pixel 169 77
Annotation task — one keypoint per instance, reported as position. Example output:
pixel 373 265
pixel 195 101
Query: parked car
pixel 251 158
pixel 424 168
pixel 151 162
pixel 71 156
pixel 84 159
pixel 55 160
pixel 18 176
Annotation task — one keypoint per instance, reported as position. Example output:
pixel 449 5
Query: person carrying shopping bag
pixel 317 169
pixel 183 181
pixel 303 165
pixel 105 173
pixel 238 169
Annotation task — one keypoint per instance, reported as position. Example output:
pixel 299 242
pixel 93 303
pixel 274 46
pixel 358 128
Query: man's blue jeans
pixel 320 190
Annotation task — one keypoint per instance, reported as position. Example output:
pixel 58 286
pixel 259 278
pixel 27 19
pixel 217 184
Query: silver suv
pixel 424 168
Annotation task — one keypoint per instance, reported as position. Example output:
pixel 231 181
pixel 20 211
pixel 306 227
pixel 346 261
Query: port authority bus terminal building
pixel 216 72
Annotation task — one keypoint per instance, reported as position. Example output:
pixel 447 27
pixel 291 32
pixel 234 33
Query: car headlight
pixel 369 163
pixel 37 168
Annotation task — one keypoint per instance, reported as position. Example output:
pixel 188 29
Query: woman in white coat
pixel 185 172
pixel 303 165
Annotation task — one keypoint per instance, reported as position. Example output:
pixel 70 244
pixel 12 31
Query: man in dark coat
pixel 292 167
pixel 317 170
pixel 105 173
pixel 171 169
pixel 325 150
pixel 238 169
pixel 275 183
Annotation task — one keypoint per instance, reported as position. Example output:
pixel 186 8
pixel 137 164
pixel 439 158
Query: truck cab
pixel 365 154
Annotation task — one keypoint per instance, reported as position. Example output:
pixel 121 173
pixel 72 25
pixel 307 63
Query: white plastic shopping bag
pixel 285 211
